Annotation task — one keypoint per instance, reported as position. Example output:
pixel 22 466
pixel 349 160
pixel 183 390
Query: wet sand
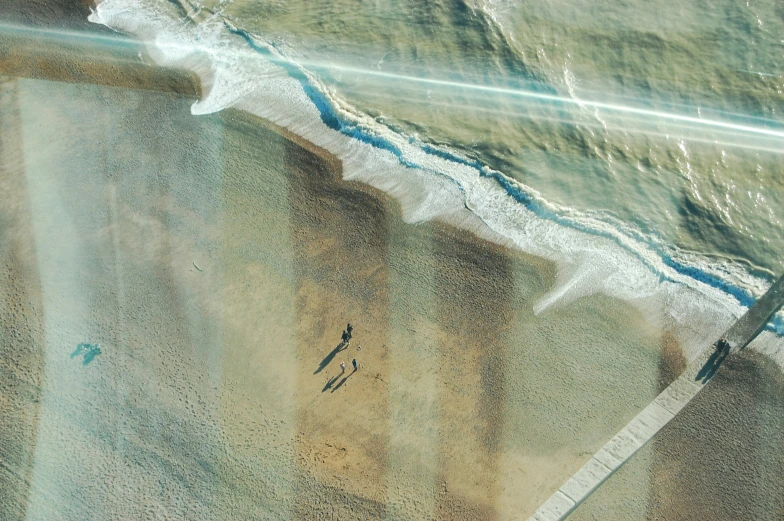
pixel 52 39
pixel 217 260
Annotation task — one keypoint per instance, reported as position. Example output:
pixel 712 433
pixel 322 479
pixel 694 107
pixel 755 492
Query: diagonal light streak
pixel 529 94
pixel 60 35
pixel 611 125
pixel 512 92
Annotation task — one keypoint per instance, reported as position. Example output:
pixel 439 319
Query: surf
pixel 594 254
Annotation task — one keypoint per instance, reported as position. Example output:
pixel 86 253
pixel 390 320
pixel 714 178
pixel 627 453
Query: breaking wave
pixel 595 253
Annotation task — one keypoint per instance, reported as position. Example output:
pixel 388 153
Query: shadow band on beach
pixel 339 235
pixel 473 303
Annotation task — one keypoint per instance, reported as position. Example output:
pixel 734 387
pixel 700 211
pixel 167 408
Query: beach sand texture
pixel 720 458
pixel 216 261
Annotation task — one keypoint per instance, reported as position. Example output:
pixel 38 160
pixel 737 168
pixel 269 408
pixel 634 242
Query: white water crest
pixel 594 254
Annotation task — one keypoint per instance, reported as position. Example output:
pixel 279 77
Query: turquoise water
pixel 637 145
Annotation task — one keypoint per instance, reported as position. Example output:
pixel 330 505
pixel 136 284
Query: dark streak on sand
pixel 722 457
pixel 339 233
pixel 473 302
pixel 671 363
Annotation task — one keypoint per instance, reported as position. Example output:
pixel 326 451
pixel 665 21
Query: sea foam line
pixel 519 192
pixel 533 225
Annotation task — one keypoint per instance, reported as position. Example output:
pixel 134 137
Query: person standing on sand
pixel 342 367
pixel 354 363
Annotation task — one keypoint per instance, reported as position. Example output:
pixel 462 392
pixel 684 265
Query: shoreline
pixel 75 50
pixel 183 78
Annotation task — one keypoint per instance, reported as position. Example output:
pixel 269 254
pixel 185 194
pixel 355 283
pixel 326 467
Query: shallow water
pixel 713 190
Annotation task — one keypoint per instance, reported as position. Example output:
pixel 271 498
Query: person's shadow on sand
pixel 330 382
pixel 713 364
pixel 342 381
pixel 327 359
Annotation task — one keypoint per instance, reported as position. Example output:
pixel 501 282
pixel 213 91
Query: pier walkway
pixel 660 411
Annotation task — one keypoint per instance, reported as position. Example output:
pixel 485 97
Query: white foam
pixel 612 259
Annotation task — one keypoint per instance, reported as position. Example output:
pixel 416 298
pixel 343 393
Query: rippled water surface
pixel 636 145
pixel 604 141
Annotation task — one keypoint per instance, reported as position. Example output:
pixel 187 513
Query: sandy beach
pixel 217 259
pixel 719 459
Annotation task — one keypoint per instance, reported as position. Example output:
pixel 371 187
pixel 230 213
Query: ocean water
pixel 637 145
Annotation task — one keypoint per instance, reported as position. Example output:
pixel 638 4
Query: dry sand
pixel 722 457
pixel 217 260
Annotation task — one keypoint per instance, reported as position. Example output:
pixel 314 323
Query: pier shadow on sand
pixel 327 359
